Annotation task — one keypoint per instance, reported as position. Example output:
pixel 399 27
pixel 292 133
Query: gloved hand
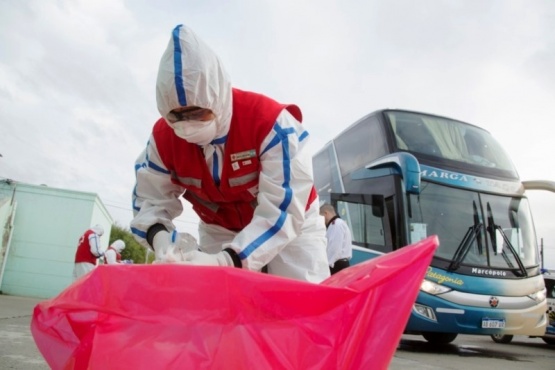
pixel 166 247
pixel 199 258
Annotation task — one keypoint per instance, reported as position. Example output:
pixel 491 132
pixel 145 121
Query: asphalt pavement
pixel 18 350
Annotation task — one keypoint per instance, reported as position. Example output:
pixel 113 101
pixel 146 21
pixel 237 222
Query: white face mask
pixel 196 132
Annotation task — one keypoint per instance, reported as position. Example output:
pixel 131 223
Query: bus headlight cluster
pixel 539 296
pixel 433 288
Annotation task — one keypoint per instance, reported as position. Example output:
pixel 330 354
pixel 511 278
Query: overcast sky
pixel 77 77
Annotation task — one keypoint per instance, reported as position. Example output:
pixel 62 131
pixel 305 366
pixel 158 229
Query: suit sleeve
pixel 94 244
pixel 155 198
pixel 285 183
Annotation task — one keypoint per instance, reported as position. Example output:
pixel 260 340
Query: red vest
pixel 231 204
pixel 83 253
pixel 118 255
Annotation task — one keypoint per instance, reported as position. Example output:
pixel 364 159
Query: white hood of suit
pixel 190 74
pixel 118 245
pixel 98 229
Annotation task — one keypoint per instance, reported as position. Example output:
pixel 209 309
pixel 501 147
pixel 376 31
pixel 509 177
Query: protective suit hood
pixel 191 74
pixel 98 229
pixel 118 245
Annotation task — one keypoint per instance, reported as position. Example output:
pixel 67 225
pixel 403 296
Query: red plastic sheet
pixel 195 317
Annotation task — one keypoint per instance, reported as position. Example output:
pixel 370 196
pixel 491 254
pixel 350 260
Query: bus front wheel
pixel 500 338
pixel 439 338
pixel 548 340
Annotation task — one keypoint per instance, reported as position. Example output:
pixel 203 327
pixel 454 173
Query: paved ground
pixel 18 350
pixel 17 347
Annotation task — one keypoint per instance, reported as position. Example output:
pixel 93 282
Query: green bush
pixel 133 250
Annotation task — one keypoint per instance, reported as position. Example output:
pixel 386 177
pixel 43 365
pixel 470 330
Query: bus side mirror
pixel 406 164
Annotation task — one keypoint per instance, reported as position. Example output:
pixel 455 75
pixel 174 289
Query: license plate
pixel 493 323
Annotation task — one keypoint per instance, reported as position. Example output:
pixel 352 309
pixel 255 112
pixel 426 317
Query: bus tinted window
pixel 321 164
pixel 366 229
pixel 326 173
pixel 447 139
pixel 360 144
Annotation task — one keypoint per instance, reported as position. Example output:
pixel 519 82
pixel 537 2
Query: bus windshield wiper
pixel 479 231
pixel 472 233
pixel 492 229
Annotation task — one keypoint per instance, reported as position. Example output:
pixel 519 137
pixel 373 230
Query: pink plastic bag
pixel 195 317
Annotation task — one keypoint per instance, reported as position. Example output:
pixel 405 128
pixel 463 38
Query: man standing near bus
pixel 340 249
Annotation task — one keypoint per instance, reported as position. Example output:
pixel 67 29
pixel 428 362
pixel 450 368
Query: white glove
pixel 187 242
pixel 171 247
pixel 198 258
pixel 166 247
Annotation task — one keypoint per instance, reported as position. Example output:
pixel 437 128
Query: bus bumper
pixel 433 314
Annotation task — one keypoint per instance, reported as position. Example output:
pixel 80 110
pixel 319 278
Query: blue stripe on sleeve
pixel 157 168
pixel 178 67
pixel 133 205
pixel 274 229
pixel 138 232
pixel 138 166
pixel 277 139
pixel 96 245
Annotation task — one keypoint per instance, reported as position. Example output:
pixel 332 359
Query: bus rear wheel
pixel 439 338
pixel 500 338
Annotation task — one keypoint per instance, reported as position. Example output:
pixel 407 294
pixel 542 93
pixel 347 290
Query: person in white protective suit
pixel 240 159
pixel 112 256
pixel 88 251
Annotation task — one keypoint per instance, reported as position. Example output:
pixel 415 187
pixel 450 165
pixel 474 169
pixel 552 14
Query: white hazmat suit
pixel 286 232
pixel 111 254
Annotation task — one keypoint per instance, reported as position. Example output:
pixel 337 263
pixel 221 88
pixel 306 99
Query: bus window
pixel 366 228
pixel 326 173
pixel 514 237
pixel 416 137
pixel 448 139
pixel 321 164
pixel 447 213
pixel 478 150
pixel 360 145
pixel 508 214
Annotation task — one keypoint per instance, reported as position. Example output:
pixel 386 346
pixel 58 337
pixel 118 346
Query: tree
pixel 133 250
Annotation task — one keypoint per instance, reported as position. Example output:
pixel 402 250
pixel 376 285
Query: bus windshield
pixel 448 139
pixel 475 229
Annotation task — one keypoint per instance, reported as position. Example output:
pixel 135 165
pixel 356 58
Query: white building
pixel 39 231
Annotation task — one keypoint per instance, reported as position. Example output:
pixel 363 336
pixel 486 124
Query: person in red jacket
pixel 240 158
pixel 88 251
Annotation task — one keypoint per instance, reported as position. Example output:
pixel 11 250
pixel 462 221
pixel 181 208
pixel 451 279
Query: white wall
pixel 48 224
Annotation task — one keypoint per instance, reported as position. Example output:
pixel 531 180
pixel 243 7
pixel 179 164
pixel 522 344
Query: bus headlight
pixel 433 288
pixel 539 296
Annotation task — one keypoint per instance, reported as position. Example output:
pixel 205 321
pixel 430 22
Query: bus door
pixel 369 218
